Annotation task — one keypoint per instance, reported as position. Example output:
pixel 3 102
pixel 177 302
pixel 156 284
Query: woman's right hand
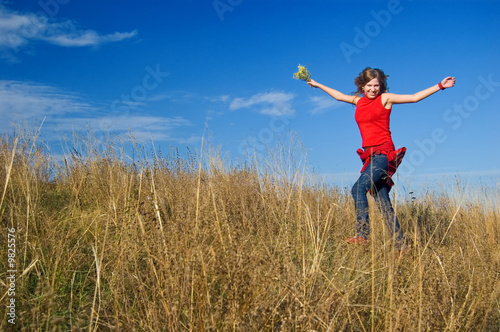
pixel 313 84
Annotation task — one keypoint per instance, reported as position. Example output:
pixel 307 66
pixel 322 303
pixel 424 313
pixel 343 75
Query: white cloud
pixel 323 104
pixel 174 97
pixel 218 99
pixel 271 103
pixel 18 30
pixel 27 103
pixel 24 101
pixel 84 38
pixel 143 128
pixel 158 97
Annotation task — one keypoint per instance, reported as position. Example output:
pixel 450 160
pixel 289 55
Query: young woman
pixel 373 109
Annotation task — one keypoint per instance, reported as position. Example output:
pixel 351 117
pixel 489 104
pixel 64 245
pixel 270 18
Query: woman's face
pixel 372 89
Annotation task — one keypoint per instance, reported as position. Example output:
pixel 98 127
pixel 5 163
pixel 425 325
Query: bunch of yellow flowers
pixel 302 74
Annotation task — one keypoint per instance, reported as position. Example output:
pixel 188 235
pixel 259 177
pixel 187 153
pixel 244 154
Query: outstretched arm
pixel 334 93
pixel 390 98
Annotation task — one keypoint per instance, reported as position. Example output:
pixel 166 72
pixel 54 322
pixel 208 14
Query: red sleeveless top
pixel 373 121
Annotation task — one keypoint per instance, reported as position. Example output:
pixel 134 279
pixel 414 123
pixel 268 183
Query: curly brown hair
pixel 369 74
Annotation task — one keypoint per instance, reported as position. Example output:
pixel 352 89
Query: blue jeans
pixel 374 177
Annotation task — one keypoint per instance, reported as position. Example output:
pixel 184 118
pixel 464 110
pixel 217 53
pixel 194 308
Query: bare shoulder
pixel 385 99
pixel 355 100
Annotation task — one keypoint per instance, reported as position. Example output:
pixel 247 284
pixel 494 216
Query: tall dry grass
pixel 107 241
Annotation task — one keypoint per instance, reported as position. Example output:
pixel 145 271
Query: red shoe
pixel 357 240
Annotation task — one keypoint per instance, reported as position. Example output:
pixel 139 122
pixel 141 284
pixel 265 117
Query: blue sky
pixel 173 71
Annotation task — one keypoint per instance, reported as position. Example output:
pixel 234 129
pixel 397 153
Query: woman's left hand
pixel 448 82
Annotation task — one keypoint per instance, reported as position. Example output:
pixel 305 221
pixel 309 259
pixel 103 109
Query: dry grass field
pixel 107 241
